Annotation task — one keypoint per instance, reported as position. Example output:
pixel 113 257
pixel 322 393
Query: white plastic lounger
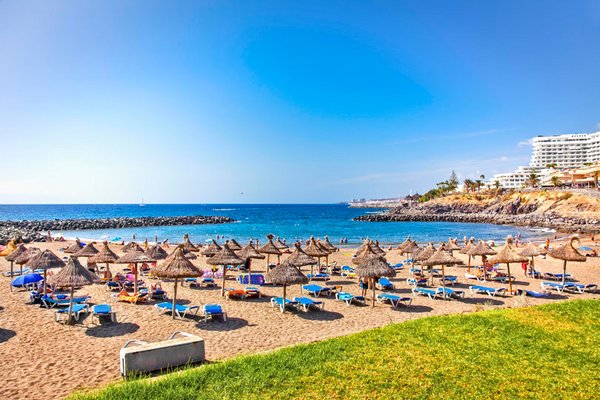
pixel 431 293
pixel 181 311
pixel 393 299
pixel 582 288
pixel 559 287
pixel 305 303
pixel 348 298
pixel 76 312
pixel 492 292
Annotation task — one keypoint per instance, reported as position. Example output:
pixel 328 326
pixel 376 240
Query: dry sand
pixel 45 359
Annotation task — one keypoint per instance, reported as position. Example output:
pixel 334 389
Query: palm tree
pixel 533 180
pixel 497 185
pixel 478 183
pixel 555 180
pixel 595 175
pixel 551 165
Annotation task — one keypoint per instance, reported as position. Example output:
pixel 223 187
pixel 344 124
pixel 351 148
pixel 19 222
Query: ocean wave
pixel 224 209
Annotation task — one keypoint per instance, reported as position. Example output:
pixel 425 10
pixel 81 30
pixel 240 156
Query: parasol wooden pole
pixel 135 285
pixel 510 289
pixel 372 281
pixel 223 282
pixel 11 275
pixel 564 277
pixel 444 279
pixel 469 264
pixel 249 271
pixel 70 305
pixel 174 303
pixel 45 283
pixel 284 292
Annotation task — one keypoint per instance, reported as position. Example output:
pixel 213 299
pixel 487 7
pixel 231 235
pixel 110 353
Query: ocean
pixel 289 221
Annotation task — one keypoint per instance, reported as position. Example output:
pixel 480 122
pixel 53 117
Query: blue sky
pixel 219 101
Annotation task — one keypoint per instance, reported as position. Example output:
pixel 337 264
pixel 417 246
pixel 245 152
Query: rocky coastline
pixel 36 231
pixel 512 213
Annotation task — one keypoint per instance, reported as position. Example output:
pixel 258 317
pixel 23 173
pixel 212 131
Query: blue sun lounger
pixel 416 282
pixel 582 288
pixel 103 310
pixel 212 311
pixel 559 287
pixel 305 303
pixel 450 293
pixel 431 293
pixel 181 311
pixel 393 299
pixel 532 293
pixel 316 290
pixel 492 292
pixel 557 277
pixel 76 312
pixel 348 298
pixel 318 277
pixel 449 280
pixel 415 270
pixel 278 301
pixel 398 266
pixel 51 302
pixel 384 284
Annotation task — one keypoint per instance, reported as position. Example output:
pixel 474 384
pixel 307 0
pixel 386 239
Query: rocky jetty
pixel 33 230
pixel 513 211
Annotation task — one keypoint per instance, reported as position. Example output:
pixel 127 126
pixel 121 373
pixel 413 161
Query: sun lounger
pixel 76 312
pixel 384 284
pixel 113 286
pixel 212 311
pixel 316 290
pixel 349 298
pixel 492 292
pixel 414 270
pixel 181 311
pixel 62 300
pixel 398 266
pixel 158 294
pixel 408 261
pixel 103 310
pixel 305 303
pixel 416 282
pixel 17 272
pixel 431 293
pixel 451 293
pixel 473 276
pixel 449 280
pixel 257 279
pixel 393 299
pixel 318 277
pixel 435 272
pixel 278 301
pixel 557 277
pixel 132 298
pixel 559 287
pixel 582 288
pixel 503 279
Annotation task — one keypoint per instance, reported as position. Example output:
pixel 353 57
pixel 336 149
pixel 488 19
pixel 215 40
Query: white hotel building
pixel 566 151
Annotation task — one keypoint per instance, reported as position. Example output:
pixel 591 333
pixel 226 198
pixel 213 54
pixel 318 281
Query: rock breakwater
pixel 35 230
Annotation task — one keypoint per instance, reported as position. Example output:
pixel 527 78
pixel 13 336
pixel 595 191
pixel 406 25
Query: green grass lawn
pixel 550 351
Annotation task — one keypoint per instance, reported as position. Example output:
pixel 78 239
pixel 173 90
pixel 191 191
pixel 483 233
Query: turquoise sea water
pixel 290 221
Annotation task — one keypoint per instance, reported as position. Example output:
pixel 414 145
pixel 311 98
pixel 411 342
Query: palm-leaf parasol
pixel 269 248
pixel 225 257
pixel 507 255
pixel 482 249
pixel 567 252
pixel 44 260
pixel 135 256
pixel 443 258
pixel 532 251
pixel 105 255
pixel 287 274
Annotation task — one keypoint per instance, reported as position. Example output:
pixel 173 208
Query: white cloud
pixel 525 143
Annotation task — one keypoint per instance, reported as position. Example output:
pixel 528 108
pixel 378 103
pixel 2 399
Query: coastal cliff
pixel 35 230
pixel 565 211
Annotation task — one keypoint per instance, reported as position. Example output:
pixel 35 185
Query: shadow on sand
pixel 320 315
pixel 6 335
pixel 110 329
pixel 219 326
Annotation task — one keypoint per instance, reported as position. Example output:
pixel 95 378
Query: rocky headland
pixel 36 230
pixel 564 211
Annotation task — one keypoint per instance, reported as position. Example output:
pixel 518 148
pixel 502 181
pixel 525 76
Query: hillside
pixel 563 210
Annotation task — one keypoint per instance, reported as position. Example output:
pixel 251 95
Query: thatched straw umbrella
pixel 105 255
pixel 176 267
pixel 188 245
pixel 287 274
pixel 466 249
pixel 299 258
pixel 280 245
pixel 269 248
pixel 212 249
pixel 424 254
pixel 404 244
pixel 443 258
pixel 314 250
pixel 376 249
pixel 74 248
pixel 507 255
pixel 234 245
pixel 134 257
pixel 567 252
pixel 22 258
pixel 247 253
pixel 225 257
pixel 131 245
pixel 87 251
pixel 410 248
pixel 45 260
pixel 73 274
pixel 482 249
pixel 451 246
pixel 13 256
pixel 363 246
pixel 9 248
pixel 326 244
pixel 157 252
pixel 370 266
pixel 532 251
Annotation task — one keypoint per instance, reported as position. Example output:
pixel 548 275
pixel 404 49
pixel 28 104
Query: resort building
pixel 561 152
pixel 566 151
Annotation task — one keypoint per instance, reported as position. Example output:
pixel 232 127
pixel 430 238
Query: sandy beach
pixel 45 359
